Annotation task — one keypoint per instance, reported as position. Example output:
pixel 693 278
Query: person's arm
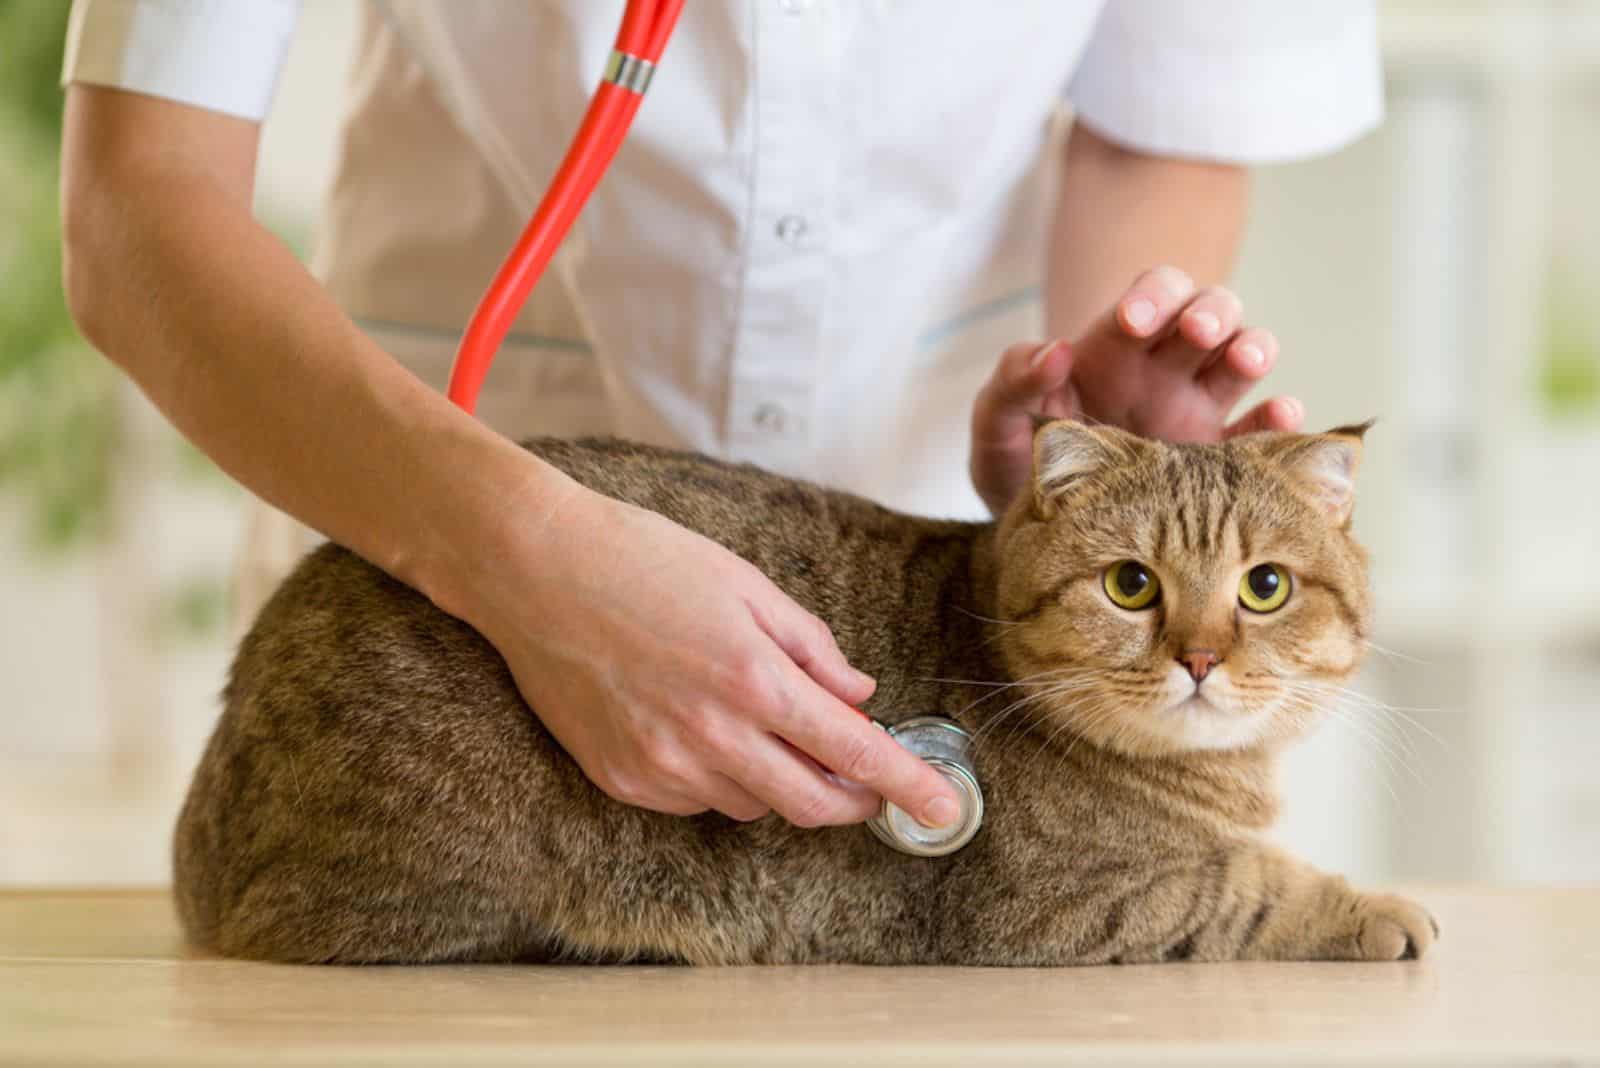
pixel 674 673
pixel 1120 212
pixel 169 275
pixel 1162 352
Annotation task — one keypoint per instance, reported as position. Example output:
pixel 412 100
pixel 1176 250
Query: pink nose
pixel 1199 662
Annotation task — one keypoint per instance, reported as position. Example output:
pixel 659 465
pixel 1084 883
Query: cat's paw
pixel 1387 927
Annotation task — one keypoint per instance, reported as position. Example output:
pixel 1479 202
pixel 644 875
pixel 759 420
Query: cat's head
pixel 1171 598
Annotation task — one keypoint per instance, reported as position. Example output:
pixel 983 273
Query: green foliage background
pixel 1569 372
pixel 60 422
pixel 57 419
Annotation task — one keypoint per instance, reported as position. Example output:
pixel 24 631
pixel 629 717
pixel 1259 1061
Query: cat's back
pixel 368 736
pixel 737 504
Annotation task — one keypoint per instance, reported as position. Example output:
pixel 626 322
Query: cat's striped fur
pixel 378 791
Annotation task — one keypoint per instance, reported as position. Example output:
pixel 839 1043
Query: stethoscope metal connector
pixel 948 748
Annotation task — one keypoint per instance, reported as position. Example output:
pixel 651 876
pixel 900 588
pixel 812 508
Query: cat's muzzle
pixel 948 748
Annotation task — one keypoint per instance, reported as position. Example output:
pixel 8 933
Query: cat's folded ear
pixel 1065 453
pixel 1324 466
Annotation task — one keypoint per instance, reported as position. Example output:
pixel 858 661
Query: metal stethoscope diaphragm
pixel 948 748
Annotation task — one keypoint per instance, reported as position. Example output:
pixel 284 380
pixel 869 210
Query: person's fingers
pixel 806 711
pixel 794 786
pixel 718 791
pixel 674 777
pixel 674 805
pixel 854 748
pixel 1148 307
pixel 1243 362
pixel 1024 376
pixel 1279 413
pixel 1203 325
pixel 644 789
pixel 811 645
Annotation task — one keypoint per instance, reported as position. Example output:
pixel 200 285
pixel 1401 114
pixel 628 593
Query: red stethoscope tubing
pixel 646 25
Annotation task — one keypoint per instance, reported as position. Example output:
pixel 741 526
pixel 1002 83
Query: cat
pixel 1131 645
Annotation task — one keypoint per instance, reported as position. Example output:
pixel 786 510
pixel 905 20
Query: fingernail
pixel 1292 408
pixel 1253 356
pixel 1043 354
pixel 1140 314
pixel 1208 326
pixel 1175 280
pixel 941 812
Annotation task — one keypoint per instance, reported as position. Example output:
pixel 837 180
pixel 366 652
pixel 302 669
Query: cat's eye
pixel 1131 585
pixel 1264 588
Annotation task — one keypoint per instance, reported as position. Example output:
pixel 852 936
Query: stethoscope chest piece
pixel 948 748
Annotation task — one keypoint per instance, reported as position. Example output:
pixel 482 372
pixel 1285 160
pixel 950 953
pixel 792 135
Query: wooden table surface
pixel 103 977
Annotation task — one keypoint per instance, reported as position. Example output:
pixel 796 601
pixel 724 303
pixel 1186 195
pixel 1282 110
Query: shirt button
pixel 771 418
pixel 792 229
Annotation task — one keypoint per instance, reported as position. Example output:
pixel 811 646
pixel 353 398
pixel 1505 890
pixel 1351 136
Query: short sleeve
pixel 222 55
pixel 1239 81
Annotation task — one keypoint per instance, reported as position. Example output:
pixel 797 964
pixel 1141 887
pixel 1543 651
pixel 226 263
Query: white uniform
pixel 828 219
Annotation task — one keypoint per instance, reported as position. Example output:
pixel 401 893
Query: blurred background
pixel 1440 275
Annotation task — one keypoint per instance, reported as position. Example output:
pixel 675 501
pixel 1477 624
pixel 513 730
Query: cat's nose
pixel 1198 661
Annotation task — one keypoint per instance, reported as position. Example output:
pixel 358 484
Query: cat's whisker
pixel 1045 701
pixel 1086 717
pixel 1092 717
pixel 1065 686
pixel 1052 673
pixel 993 720
pixel 997 687
pixel 1379 758
pixel 1382 768
pixel 1058 691
pixel 992 637
pixel 979 736
pixel 1056 731
pixel 1357 695
pixel 1412 723
pixel 1049 685
pixel 963 682
pixel 1375 647
pixel 1406 722
pixel 1329 687
pixel 1074 723
pixel 1393 756
pixel 1337 698
pixel 989 619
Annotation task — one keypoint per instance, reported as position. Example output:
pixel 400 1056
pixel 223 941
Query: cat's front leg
pixel 1271 906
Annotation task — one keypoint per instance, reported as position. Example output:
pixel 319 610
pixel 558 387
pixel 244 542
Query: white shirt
pixel 827 222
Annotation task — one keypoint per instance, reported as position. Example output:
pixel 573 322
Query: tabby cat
pixel 1131 644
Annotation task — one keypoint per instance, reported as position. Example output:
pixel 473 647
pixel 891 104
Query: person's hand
pixel 1166 362
pixel 681 679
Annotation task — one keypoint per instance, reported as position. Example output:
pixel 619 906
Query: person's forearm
pixel 227 333
pixel 1120 212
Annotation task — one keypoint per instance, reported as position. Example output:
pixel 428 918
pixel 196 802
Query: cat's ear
pixel 1324 466
pixel 1066 452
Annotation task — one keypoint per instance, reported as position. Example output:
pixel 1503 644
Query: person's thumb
pixel 1025 375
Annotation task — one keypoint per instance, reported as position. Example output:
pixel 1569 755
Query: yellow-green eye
pixel 1131 585
pixel 1264 588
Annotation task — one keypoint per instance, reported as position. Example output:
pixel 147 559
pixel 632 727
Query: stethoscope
pixel 646 26
pixel 947 748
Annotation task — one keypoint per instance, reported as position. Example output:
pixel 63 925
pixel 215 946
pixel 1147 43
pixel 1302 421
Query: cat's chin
pixel 1193 723
pixel 1199 722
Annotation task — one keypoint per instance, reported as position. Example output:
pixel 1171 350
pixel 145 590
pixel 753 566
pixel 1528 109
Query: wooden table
pixel 103 977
